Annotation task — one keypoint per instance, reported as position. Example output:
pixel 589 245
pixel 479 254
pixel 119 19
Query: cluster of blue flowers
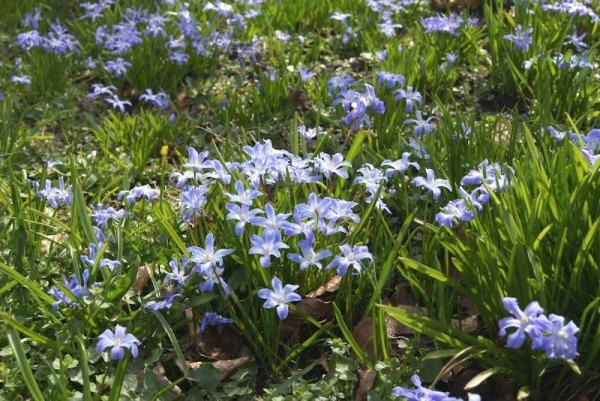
pixel 185 38
pixel 57 40
pixel 547 333
pixel 573 8
pixel 349 33
pixel 78 289
pixel 56 196
pixel 101 216
pixel 487 177
pixel 450 23
pixel 420 393
pixel 589 144
pixel 356 104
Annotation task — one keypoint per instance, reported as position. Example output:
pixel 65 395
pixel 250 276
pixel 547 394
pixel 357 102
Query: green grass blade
pixel 24 367
pixel 360 354
pixel 32 286
pixel 174 343
pixel 117 384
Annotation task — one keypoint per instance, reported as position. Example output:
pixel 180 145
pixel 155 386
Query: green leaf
pixel 207 376
pixel 24 366
pixel 165 215
pixel 441 354
pixel 117 383
pixel 32 286
pixel 121 284
pixel 481 377
pixel 38 338
pixel 79 213
pixel 434 274
pixel 174 342
pixel 356 145
pixel 349 337
pixel 523 393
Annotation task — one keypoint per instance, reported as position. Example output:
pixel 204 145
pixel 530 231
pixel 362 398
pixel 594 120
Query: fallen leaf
pixel 365 384
pixel 225 367
pixel 363 335
pixel 141 278
pixel 469 324
pixel 456 5
pixel 316 304
pixel 159 372
pixel 314 307
pixel 327 289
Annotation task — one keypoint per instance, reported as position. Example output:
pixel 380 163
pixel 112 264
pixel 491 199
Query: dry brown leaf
pixel 226 367
pixel 363 335
pixel 159 372
pixel 456 5
pixel 469 324
pixel 395 329
pixel 314 307
pixel 141 278
pixel 327 289
pixel 402 295
pixel 227 345
pixel 365 384
pixel 316 304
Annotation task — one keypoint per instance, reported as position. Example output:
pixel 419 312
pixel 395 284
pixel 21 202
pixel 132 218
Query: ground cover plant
pixel 282 200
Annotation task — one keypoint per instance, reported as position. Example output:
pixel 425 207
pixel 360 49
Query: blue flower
pixel 421 393
pixel 211 277
pixel 178 272
pixel 214 319
pixel 455 209
pixel 305 74
pixel 117 341
pixel 309 257
pixel 339 82
pixel 530 321
pixel 351 257
pixel 561 341
pixel 56 196
pixel 400 165
pixel 197 160
pixel 411 97
pixel 78 289
pixel 208 258
pixel 192 201
pixel 160 99
pixel 329 165
pixel 267 245
pixel 442 23
pixel 139 192
pixel 98 89
pixel 242 214
pixel 166 303
pixel 521 39
pixel 431 183
pixel 118 67
pixel 117 103
pixel 271 222
pixel 369 176
pixel 577 41
pixel 420 124
pixel 390 79
pixel 243 196
pixel 32 20
pixel 279 297
pixel 311 133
